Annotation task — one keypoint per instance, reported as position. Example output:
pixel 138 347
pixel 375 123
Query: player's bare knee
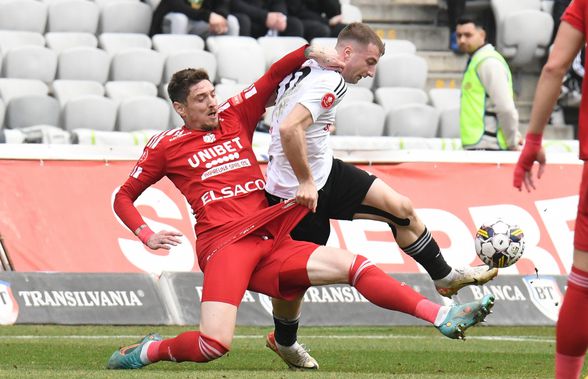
pixel 405 210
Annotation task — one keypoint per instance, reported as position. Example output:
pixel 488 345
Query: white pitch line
pixel 533 339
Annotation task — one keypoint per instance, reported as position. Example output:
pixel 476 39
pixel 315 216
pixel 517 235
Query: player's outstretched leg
pixel 295 356
pixel 466 276
pixel 462 316
pixel 129 357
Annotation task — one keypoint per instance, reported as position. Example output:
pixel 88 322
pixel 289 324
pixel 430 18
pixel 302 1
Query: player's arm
pixel 256 96
pixel 293 137
pixel 145 173
pixel 568 42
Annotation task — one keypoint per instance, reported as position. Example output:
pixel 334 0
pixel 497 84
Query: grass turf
pixel 50 351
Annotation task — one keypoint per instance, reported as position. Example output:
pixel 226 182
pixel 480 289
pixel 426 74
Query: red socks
pixel 188 346
pixel 572 327
pixel 386 292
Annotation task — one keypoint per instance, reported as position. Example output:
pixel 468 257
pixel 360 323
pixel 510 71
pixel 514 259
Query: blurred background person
pixel 258 18
pixel 320 19
pixel 200 17
pixel 488 118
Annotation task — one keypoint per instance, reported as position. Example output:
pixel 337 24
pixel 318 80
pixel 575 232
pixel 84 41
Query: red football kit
pixel 239 237
pixel 576 15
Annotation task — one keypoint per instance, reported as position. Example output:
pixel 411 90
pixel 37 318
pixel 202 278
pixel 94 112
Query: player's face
pixel 201 108
pixel 470 38
pixel 360 62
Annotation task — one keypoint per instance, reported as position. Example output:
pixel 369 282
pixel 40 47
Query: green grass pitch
pixel 49 351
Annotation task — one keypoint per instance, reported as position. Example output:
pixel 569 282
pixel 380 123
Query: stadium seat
pixel 447 101
pixel 275 48
pixel 357 93
pixel 11 88
pixel 412 120
pixel 350 13
pixel 31 110
pixel 143 112
pixel 137 64
pixel 30 62
pixel 392 97
pixel 16 38
pixel 190 59
pixel 73 16
pixel 239 63
pixel 64 90
pixel 225 91
pixel 398 46
pixel 59 41
pixel 214 42
pixel 106 138
pixel 102 3
pixel 83 63
pixel 115 42
pixel 359 119
pixel 125 16
pixel 122 90
pixel 2 112
pixel 523 30
pixel 90 112
pixel 324 41
pixel 401 70
pixel 29 15
pixel 174 43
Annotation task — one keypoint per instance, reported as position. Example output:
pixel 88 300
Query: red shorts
pixel 258 263
pixel 581 229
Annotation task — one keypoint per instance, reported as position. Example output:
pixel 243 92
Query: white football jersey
pixel 319 90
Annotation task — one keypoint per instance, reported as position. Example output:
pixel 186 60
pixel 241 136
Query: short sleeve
pixel 575 15
pixel 323 95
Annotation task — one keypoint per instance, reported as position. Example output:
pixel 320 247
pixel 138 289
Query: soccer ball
pixel 499 244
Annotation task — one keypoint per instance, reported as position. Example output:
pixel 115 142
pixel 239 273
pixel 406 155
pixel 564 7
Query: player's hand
pixel 532 152
pixel 307 195
pixel 335 20
pixel 326 57
pixel 164 239
pixel 217 24
pixel 274 20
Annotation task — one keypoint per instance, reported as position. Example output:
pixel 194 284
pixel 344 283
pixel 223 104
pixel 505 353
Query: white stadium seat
pixel 173 43
pixel 11 88
pixel 447 101
pixel 30 62
pixel 115 42
pixel 143 112
pixel 29 15
pixel 401 70
pixel 32 110
pixel 392 97
pixel 399 46
pixel 190 59
pixel 64 90
pixel 275 48
pixel 357 93
pixel 225 91
pixel 412 120
pixel 359 119
pixel 123 89
pixel 137 64
pixel 90 112
pixel 17 38
pixel 126 16
pixel 59 41
pixel 239 63
pixel 73 16
pixel 83 63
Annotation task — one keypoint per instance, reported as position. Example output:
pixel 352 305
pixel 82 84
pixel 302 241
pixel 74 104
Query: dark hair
pixel 362 33
pixel 181 82
pixel 477 23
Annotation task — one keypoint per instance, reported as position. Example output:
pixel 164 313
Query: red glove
pixel 527 158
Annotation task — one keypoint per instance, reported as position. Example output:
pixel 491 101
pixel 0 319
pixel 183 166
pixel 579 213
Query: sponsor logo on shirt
pixel 227 166
pixel 232 191
pixel 215 155
pixel 328 100
pixel 209 138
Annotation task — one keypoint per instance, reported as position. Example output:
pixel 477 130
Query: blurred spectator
pixel 258 18
pixel 200 17
pixel 455 11
pixel 488 117
pixel 320 18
